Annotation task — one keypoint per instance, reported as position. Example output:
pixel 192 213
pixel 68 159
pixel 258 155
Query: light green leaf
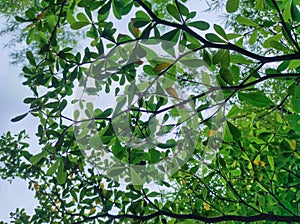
pixel 136 179
pixel 61 173
pixel 245 21
pixel 53 168
pixel 296 99
pixel 82 18
pixel 253 37
pixel 36 158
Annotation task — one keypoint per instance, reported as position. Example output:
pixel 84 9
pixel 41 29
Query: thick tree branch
pixel 255 218
pixel 209 44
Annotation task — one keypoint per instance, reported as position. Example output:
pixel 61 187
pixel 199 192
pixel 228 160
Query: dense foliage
pixel 203 122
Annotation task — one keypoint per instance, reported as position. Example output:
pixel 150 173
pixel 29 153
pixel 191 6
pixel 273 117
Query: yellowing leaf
pixel 30 25
pixel 256 162
pixel 172 92
pixel 102 186
pixel 161 66
pixel 261 177
pixel 262 163
pixel 293 144
pixel 206 206
pixel 135 31
pixel 92 210
pixel 211 133
pixel 58 202
pixel 36 186
pixel 42 15
pixel 52 68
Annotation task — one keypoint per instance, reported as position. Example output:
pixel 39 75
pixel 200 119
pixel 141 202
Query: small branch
pixel 285 26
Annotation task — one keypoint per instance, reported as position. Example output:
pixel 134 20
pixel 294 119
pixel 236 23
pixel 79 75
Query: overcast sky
pixel 12 94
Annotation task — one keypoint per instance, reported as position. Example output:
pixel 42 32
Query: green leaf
pixel 253 37
pixel 61 173
pixel 82 18
pixel 295 12
pixel 52 168
pixel 232 6
pixel 236 133
pixel 136 179
pixel 201 25
pixel 225 60
pixel 36 158
pixel 287 11
pixel 115 170
pixel 167 145
pixel 226 75
pixel 154 155
pixel 173 12
pixel 245 21
pixel 271 162
pixel 31 58
pixel 259 4
pixel 296 99
pixel 220 31
pixel 193 63
pixel 235 110
pixel 142 15
pixel 183 9
pixel 294 64
pixel 217 57
pixel 18 118
pixel 171 35
pixel 236 172
pixel 118 150
pixel 258 99
pixel 79 25
pixel 278 46
pixel 214 38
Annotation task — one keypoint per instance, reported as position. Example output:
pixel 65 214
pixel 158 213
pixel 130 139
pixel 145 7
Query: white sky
pixel 12 94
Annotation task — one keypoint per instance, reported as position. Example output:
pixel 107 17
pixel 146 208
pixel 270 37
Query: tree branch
pixel 209 44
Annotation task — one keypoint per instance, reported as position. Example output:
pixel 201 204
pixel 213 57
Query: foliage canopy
pixel 229 133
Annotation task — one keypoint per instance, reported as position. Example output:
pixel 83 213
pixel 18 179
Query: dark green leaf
pixel 214 38
pixel 226 75
pixel 79 25
pixel 232 5
pixel 173 12
pixel 61 173
pixel 201 25
pixel 258 99
pixel 18 118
